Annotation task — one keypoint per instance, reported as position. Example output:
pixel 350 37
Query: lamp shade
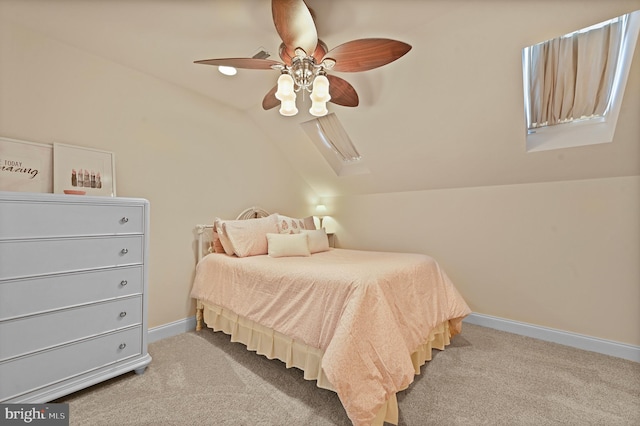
pixel 321 211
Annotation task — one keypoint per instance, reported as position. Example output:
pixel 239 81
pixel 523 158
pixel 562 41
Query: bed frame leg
pixel 199 312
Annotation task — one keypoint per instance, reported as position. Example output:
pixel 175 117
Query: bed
pixel 360 323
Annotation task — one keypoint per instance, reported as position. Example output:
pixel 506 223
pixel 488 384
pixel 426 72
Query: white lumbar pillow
pixel 283 245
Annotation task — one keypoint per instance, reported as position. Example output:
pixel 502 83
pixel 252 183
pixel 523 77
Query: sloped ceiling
pixel 448 114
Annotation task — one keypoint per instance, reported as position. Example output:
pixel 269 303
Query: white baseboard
pixel 579 341
pixel 171 329
pixel 587 343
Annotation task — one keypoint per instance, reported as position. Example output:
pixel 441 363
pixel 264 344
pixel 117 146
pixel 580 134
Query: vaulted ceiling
pixel 448 114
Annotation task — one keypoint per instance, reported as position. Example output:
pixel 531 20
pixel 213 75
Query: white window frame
pixel 589 131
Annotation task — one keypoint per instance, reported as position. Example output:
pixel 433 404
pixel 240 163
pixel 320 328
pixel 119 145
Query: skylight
pixel 574 84
pixel 333 142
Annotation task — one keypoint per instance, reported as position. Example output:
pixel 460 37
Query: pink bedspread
pixel 368 311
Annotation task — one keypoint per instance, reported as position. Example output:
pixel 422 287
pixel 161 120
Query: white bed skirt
pixel 272 344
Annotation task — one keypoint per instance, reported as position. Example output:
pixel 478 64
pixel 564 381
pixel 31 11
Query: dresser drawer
pixel 24 258
pixel 28 334
pixel 27 373
pixel 34 295
pixel 52 219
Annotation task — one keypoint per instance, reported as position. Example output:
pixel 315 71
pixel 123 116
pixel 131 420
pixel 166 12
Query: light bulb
pixel 227 70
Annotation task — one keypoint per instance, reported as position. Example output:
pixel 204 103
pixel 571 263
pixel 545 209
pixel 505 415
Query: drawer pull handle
pixel 123 283
pixel 123 314
pixel 124 220
pixel 124 251
pixel 122 345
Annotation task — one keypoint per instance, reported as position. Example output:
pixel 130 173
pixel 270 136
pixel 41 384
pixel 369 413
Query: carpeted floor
pixel 485 377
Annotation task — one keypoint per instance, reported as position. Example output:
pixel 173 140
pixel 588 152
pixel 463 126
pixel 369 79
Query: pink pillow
pixel 216 244
pixel 309 223
pixel 249 237
pixel 318 240
pixel 289 225
pixel 222 236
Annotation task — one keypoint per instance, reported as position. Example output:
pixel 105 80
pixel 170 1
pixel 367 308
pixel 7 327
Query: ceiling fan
pixel 306 60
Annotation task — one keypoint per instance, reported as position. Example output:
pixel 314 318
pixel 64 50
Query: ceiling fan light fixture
pixel 223 69
pixel 318 109
pixel 320 91
pixel 306 59
pixel 288 107
pixel 285 87
pixel 320 96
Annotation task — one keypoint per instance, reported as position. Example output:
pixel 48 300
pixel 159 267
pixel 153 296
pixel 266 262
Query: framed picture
pixel 79 171
pixel 25 166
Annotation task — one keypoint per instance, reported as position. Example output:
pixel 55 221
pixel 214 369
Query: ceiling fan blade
pixel 295 26
pixel 367 53
pixel 342 93
pixel 247 63
pixel 270 100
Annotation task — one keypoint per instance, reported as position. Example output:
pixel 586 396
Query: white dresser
pixel 73 283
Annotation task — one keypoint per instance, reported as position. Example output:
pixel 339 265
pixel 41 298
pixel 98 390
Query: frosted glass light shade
pixel 318 109
pixel 285 87
pixel 320 96
pixel 320 89
pixel 288 107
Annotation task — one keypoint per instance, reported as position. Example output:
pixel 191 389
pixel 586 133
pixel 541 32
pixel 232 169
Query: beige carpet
pixel 485 377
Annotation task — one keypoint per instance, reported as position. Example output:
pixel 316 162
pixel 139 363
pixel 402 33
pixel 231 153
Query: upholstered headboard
pixel 205 232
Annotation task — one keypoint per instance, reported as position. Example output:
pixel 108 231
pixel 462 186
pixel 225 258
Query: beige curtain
pixel 335 137
pixel 570 77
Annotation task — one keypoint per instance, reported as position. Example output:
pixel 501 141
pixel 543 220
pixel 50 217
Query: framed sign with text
pixel 25 166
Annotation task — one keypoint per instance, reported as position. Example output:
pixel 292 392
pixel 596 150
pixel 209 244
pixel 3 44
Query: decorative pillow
pixel 249 237
pixel 285 245
pixel 216 244
pixel 290 225
pixel 318 240
pixel 223 238
pixel 309 223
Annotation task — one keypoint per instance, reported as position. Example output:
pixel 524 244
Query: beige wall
pixel 563 255
pixel 174 148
